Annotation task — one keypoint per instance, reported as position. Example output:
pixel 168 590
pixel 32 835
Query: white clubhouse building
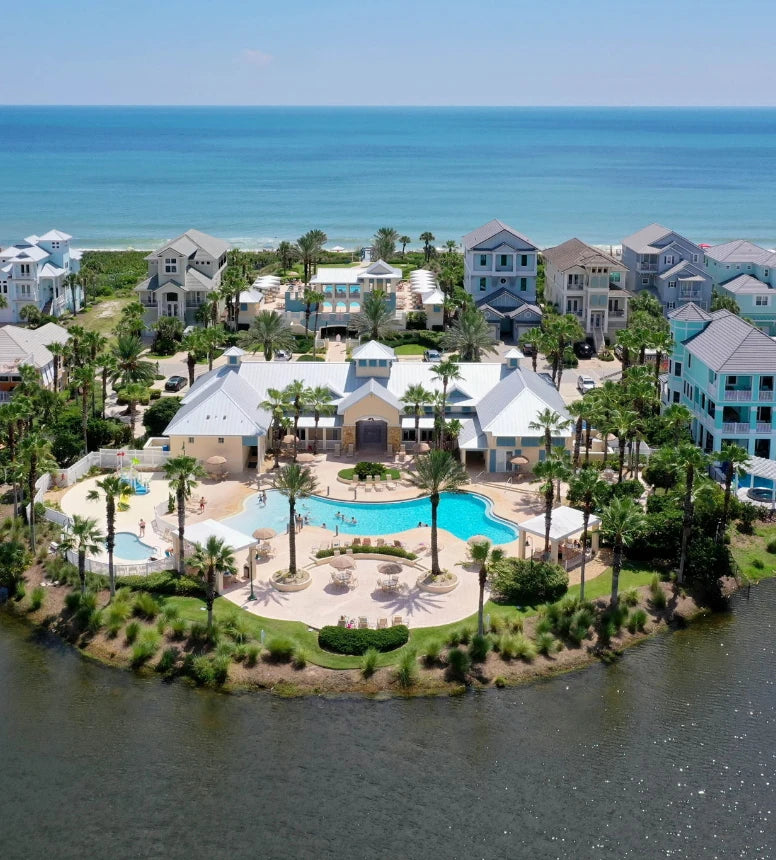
pixel 495 403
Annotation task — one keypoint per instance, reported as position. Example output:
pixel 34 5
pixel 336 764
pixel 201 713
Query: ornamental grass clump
pixel 478 648
pixel 458 663
pixel 280 648
pixel 178 628
pixel 36 598
pixel 131 632
pixel 581 622
pixel 432 652
pixel 637 621
pixel 407 670
pixel 658 597
pixel 146 606
pixel 630 597
pixel 369 662
pixel 547 644
pixel 300 658
pixel 168 661
pixel 524 649
pixel 146 646
pixel 252 653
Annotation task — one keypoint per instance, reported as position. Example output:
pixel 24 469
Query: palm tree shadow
pixel 266 595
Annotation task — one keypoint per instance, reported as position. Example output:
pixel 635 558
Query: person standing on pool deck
pixel 141 527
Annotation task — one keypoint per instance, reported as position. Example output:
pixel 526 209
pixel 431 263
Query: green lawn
pixel 347 474
pixel 192 609
pixel 409 349
pixel 751 554
pixel 307 357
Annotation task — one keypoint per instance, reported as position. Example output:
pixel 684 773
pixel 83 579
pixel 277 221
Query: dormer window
pixel 170 265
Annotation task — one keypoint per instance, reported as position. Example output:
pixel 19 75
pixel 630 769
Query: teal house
pixel 746 273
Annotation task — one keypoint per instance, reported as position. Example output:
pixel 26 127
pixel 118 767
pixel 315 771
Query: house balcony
pixel 735 427
pixel 646 267
pixel 688 295
pixel 765 394
pixel 764 427
pixel 736 394
pixel 617 314
pixel 5 396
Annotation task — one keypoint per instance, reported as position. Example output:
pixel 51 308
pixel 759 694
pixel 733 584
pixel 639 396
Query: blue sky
pixel 421 52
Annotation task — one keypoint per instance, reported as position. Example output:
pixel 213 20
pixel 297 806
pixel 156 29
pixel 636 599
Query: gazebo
pixel 237 541
pixel 566 523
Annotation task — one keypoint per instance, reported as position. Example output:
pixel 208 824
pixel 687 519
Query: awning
pixel 761 467
pixel 200 532
pixel 565 522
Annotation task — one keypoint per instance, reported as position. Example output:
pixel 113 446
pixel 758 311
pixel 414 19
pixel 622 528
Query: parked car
pixel 283 355
pixel 175 383
pixel 584 349
pixel 528 349
pixel 432 355
pixel 585 384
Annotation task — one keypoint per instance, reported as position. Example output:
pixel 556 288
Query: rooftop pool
pixel 462 514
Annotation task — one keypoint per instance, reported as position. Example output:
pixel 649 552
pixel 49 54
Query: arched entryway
pixel 372 436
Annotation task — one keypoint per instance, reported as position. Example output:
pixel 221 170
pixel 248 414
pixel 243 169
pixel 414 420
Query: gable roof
pixel 641 241
pixel 575 252
pixel 491 229
pixel 54 236
pixel 510 406
pixel 689 313
pixel 371 386
pixel 731 345
pixel 740 251
pixel 674 271
pixel 188 243
pixel 745 284
pixel 373 349
pixel 380 267
pixel 29 346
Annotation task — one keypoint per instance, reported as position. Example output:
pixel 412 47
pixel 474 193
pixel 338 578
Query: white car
pixel 585 384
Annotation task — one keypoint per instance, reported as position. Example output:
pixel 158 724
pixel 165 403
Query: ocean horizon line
pixel 415 106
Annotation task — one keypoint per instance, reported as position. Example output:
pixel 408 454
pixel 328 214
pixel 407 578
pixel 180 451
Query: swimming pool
pixel 463 514
pixel 131 548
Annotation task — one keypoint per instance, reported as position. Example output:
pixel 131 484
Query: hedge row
pixel 380 550
pixel 163 582
pixel 345 640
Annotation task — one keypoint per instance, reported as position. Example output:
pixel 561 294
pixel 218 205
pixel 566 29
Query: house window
pixel 765 273
pixel 483 284
pixel 220 440
pixel 524 259
pixel 523 284
pixel 695 258
pixel 502 259
pixel 672 285
pixel 191 440
pixel 761 301
pixel 644 281
pixel 676 396
pixel 483 259
pixel 25 268
pixel 170 265
pixel 689 360
pixel 677 368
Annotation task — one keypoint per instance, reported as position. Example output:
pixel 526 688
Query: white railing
pixel 765 394
pixel 140 568
pixel 735 427
pixel 764 427
pixel 737 394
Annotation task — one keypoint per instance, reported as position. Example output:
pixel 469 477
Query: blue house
pixel 747 273
pixel 723 369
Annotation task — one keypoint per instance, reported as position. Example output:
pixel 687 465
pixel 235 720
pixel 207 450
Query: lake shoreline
pixel 433 680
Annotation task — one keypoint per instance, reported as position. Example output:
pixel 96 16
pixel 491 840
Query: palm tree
pixel 57 351
pixel 318 400
pixel 130 367
pixel 735 458
pixel 294 482
pixel 268 332
pixel 83 378
pixel 560 332
pixel 213 556
pixel 71 283
pixel 426 238
pixel 133 393
pixel 550 424
pixel 194 345
pixel 483 555
pixel 585 486
pixel 533 338
pixel 131 319
pixel 621 422
pixel 662 343
pixel 286 254
pixel 622 521
pixel 108 367
pixel 414 399
pixel 309 248
pixel 385 243
pixel 112 487
pixel 35 459
pixel 469 336
pixel 375 316
pixel 435 473
pixel 316 298
pixel 404 240
pixel 447 371
pixel 83 537
pixel 310 298
pixel 677 418
pixel 182 473
pixel 550 470
pixel 693 463
pixel 296 393
pixel 276 403
pixel 580 411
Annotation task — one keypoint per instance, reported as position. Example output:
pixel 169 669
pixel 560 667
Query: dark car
pixel 175 383
pixel 283 355
pixel 528 349
pixel 583 349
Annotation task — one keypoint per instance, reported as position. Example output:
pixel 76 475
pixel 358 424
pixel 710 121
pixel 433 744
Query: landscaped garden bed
pixel 395 551
pixel 282 580
pixel 348 640
pixel 442 584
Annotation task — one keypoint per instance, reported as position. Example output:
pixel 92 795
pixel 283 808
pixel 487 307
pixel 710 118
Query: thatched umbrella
pixel 390 568
pixel 342 562
pixel 421 448
pixel 477 539
pixel 519 460
pixel 264 533
pixel 216 460
pixel 305 457
pixel 289 439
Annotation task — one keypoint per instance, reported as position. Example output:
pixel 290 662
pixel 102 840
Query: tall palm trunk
pixel 292 536
pixel 110 542
pixel 621 442
pixel 686 521
pixel 435 570
pixel 210 595
pixel 577 441
pixel 315 433
pixel 31 477
pixel 606 449
pixel 85 416
pixel 616 568
pixel 417 426
pixel 585 523
pixel 549 498
pixel 726 503
pixel 56 372
pixel 296 431
pixel 481 600
pixel 276 445
pixel 82 569
pixel 638 456
pixel 181 502
pixel 315 327
pixel 191 363
pixel 104 389
pixel 587 443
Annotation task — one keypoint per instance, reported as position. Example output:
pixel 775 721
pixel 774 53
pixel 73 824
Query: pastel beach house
pixel 500 267
pixel 34 272
pixel 723 369
pixel 746 273
pixel 494 402
pixel 668 266
pixel 584 281
pixel 181 276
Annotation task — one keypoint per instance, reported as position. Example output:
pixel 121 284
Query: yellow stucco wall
pixel 207 446
pixel 371 407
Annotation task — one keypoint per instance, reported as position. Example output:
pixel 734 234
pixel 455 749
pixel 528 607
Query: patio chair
pixel 382 623
pixel 397 620
pixel 389 485
pixel 367 542
pixel 363 624
pixel 398 544
pixel 353 581
pixel 420 549
pixel 367 485
pixel 378 485
pixel 379 542
pixel 356 541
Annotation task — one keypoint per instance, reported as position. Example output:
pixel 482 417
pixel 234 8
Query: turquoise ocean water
pixel 121 177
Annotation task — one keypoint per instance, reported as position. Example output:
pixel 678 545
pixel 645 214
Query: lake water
pixel 135 176
pixel 670 752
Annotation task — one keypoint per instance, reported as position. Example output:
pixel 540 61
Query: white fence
pixel 140 568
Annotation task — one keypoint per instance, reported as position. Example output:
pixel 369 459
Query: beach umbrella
pixel 216 460
pixel 477 539
pixel 519 460
pixel 342 562
pixel 264 533
pixel 338 248
pixel 289 439
pixel 421 448
pixel 390 568
pixel 306 457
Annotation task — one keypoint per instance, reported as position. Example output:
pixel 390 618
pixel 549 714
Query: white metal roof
pixel 510 407
pixel 565 522
pixel 373 349
pixel 198 533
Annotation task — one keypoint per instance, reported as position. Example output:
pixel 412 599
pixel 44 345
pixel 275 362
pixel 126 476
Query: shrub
pixel 343 640
pixel 432 652
pixel 637 621
pixel 220 665
pixel 528 583
pixel 479 647
pixel 771 546
pixel 252 652
pixel 146 606
pixel 757 564
pixel 130 634
pixel 407 670
pixel 547 644
pixel 19 592
pixel 747 514
pixel 200 670
pixel 145 647
pixel 36 598
pixel 300 658
pixel 500 681
pixel 168 660
pixel 581 622
pixel 630 597
pixel 165 583
pixel 178 628
pixel 396 551
pixel 524 648
pixel 280 648
pixel 369 662
pixel 366 469
pixel 658 596
pixel 198 633
pixel 459 663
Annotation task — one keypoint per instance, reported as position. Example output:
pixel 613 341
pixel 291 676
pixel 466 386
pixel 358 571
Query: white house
pixel 34 272
pixel 181 276
pixel 28 346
